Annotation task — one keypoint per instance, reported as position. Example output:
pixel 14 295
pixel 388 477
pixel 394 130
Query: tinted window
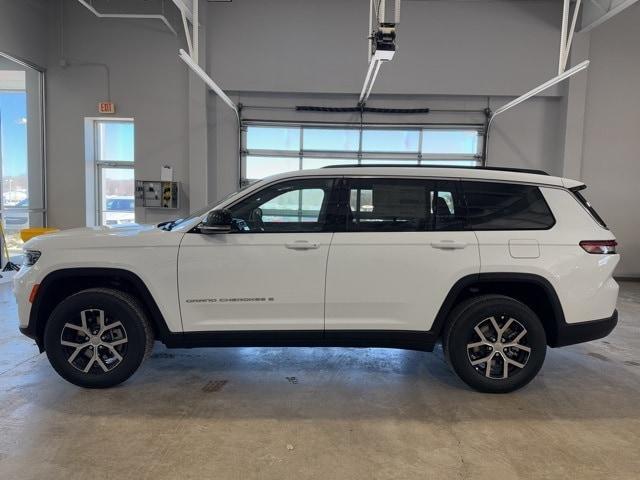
pixel 502 206
pixel 588 206
pixel 397 205
pixel 294 206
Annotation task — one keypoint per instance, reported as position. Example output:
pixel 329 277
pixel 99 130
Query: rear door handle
pixel 301 245
pixel 448 245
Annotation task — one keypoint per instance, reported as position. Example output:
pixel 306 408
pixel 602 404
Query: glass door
pixel 21 150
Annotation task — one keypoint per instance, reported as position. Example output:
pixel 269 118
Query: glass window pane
pixel 375 140
pixel 261 167
pixel 450 141
pixel 14 220
pixel 13 141
pixel 115 141
pixel 117 204
pixel 405 205
pixel 389 162
pixel 343 140
pixel 273 138
pixel 500 206
pixel 391 205
pixel 310 162
pixel 293 206
pixel 451 163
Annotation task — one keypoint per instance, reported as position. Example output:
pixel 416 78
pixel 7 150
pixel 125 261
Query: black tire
pixel 460 333
pixel 133 337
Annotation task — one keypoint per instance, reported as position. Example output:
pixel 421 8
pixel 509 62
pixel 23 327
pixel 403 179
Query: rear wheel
pixel 97 338
pixel 494 343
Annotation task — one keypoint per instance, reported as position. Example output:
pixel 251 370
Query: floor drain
pixel 214 386
pixel 292 380
pixel 163 355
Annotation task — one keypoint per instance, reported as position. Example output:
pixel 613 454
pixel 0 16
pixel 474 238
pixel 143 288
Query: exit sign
pixel 107 107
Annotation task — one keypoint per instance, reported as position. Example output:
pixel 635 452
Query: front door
pixel 404 248
pixel 269 272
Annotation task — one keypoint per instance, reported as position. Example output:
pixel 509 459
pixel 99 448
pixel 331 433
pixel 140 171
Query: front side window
pixel 293 206
pixel 399 205
pixel 503 206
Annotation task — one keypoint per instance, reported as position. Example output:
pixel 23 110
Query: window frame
pixel 359 156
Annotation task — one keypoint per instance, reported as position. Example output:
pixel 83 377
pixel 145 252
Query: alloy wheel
pixel 498 347
pixel 94 343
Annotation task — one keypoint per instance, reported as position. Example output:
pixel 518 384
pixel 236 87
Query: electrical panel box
pixel 157 194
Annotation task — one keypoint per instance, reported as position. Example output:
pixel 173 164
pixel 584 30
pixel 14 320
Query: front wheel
pixel 494 343
pixel 97 338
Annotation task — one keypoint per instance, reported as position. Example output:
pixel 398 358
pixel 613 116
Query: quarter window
pixel 398 205
pixel 502 206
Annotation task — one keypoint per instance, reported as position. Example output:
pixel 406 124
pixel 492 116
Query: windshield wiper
pixel 168 225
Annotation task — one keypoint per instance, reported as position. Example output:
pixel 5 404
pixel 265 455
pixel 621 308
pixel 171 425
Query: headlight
pixel 30 257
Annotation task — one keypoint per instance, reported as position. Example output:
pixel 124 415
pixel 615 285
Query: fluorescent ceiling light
pixel 207 79
pixel 541 88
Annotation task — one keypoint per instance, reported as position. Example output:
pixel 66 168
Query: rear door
pixel 404 247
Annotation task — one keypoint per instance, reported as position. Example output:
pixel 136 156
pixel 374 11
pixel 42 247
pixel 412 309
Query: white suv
pixel 496 263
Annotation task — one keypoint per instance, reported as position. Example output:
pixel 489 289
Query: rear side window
pixel 503 206
pixel 585 203
pixel 404 205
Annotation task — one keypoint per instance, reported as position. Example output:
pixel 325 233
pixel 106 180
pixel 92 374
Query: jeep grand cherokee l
pixel 497 264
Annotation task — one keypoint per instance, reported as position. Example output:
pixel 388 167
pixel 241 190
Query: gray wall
pixel 611 153
pixel 455 48
pixel 23 29
pixel 450 55
pixel 148 83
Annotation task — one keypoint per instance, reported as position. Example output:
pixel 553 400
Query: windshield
pixel 202 211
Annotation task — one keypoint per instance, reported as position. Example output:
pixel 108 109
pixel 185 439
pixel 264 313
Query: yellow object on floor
pixel 28 233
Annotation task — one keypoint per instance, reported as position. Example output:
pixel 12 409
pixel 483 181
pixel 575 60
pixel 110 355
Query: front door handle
pixel 448 245
pixel 301 245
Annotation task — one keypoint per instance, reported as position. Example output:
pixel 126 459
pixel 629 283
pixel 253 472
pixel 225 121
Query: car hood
pixel 105 236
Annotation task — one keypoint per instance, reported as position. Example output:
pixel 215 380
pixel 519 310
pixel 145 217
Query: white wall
pixel 611 151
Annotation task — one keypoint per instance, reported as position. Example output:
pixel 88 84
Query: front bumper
pixel 572 333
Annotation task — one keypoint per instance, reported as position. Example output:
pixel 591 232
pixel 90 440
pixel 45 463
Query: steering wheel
pixel 255 219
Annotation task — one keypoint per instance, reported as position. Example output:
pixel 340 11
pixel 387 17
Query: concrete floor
pixel 243 413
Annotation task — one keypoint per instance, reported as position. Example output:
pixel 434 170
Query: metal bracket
pixel 162 18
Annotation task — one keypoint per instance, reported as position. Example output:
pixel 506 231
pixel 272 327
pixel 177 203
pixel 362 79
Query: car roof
pixel 478 173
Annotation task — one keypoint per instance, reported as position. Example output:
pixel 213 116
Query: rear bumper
pixel 572 333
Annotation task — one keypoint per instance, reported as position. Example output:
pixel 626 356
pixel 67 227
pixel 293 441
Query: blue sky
pixel 13 129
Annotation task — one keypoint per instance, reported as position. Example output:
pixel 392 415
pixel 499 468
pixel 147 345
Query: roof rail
pixel 497 169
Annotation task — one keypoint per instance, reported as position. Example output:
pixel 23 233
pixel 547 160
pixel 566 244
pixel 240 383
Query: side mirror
pixel 218 221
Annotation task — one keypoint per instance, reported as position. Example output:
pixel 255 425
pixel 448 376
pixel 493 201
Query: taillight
pixel 602 247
